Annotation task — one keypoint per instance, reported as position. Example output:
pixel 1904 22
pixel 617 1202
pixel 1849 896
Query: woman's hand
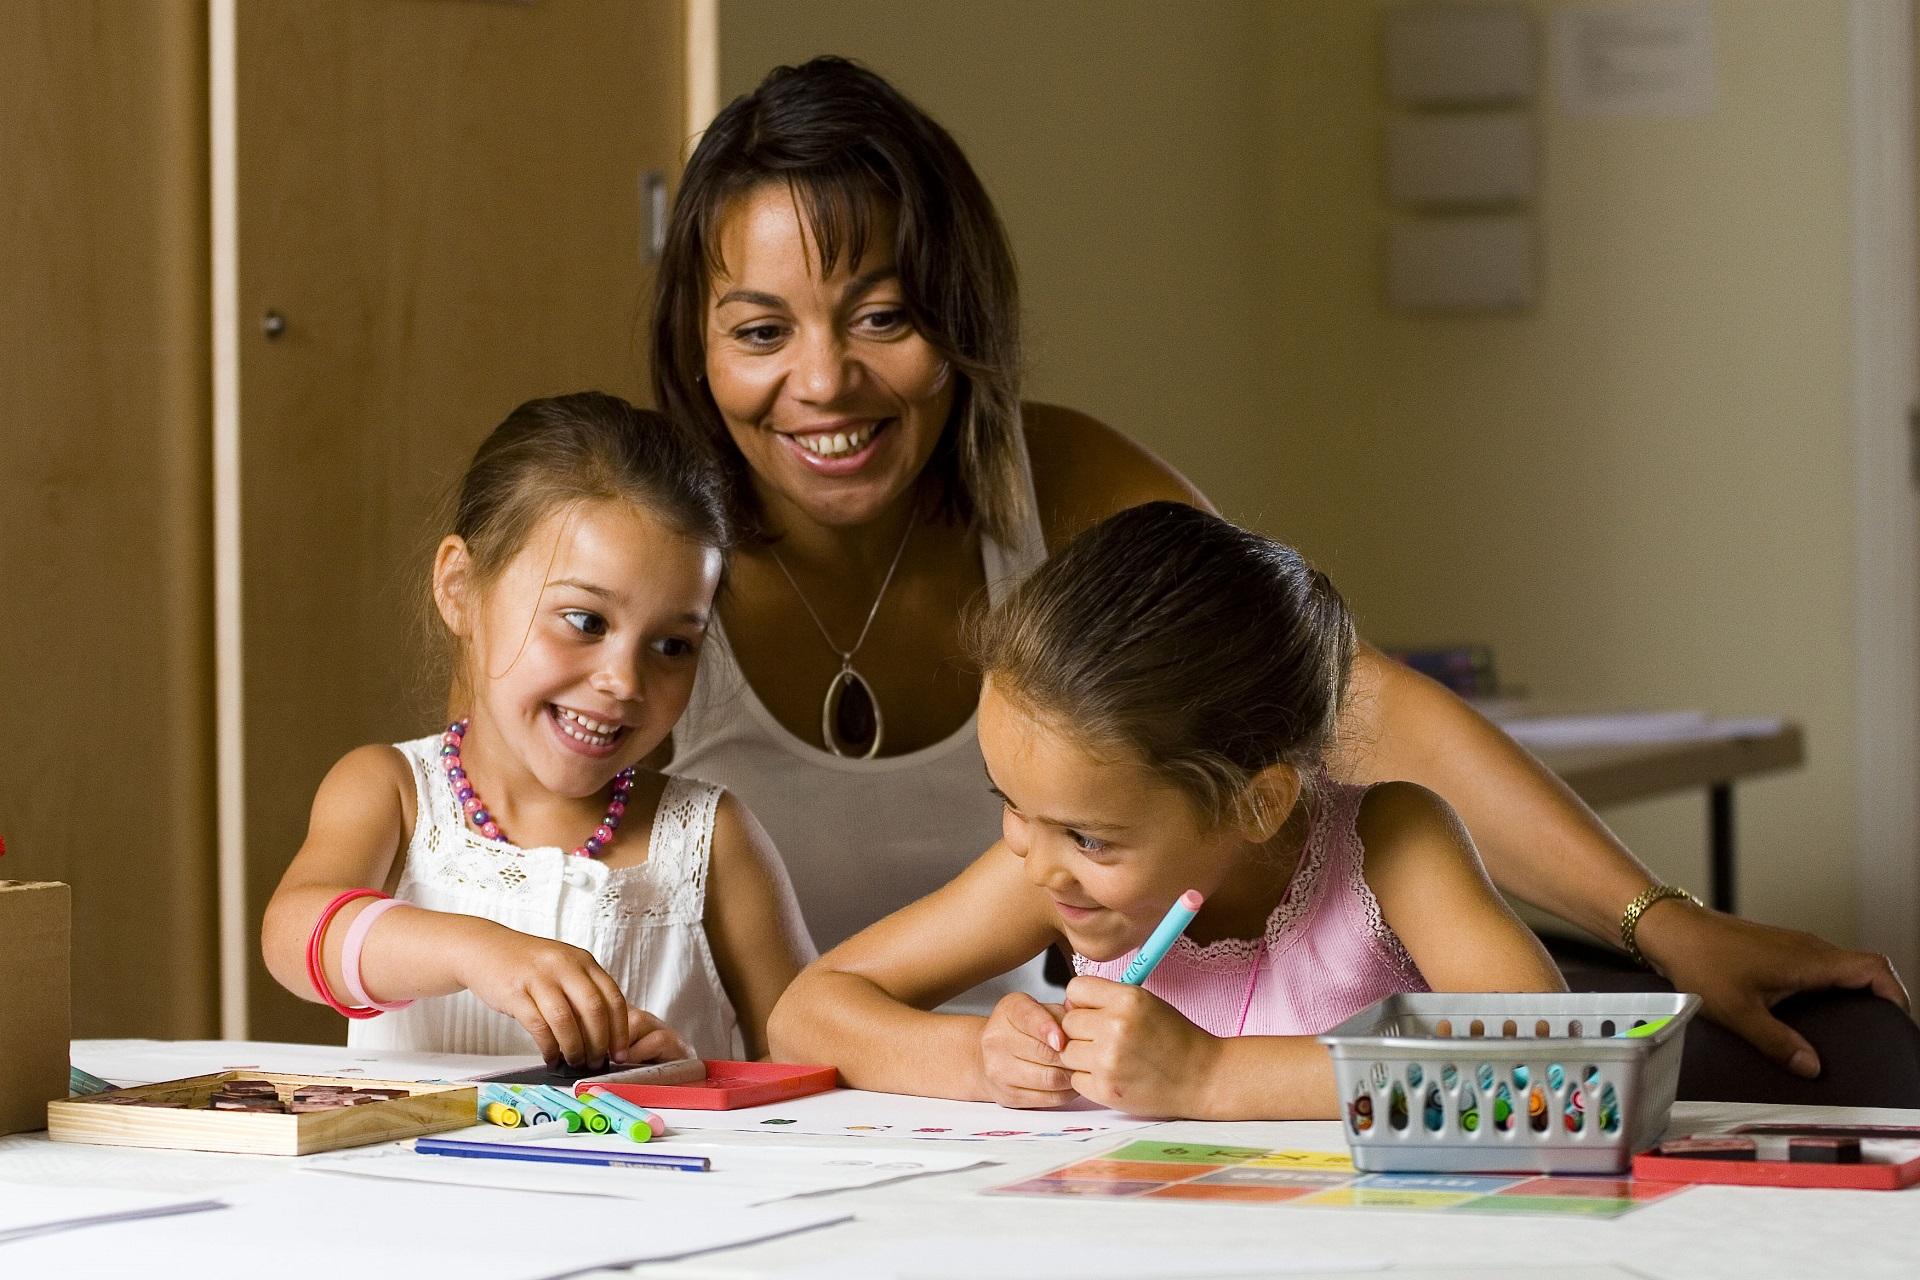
pixel 1020 1054
pixel 571 1006
pixel 1741 970
pixel 1131 1050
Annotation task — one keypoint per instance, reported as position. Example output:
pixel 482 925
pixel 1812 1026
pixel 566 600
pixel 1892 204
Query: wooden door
pixel 106 660
pixel 439 215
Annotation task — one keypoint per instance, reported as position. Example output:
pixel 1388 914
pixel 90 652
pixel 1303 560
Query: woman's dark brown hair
pixel 853 150
pixel 1207 650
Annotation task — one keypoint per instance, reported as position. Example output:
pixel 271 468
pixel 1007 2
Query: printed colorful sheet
pixel 1326 1180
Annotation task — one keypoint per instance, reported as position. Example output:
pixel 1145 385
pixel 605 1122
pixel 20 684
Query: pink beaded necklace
pixel 476 809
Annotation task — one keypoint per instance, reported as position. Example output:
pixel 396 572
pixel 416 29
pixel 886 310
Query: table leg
pixel 1720 840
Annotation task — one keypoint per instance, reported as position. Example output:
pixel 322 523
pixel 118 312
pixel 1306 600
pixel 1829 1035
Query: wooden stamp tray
pixel 428 1108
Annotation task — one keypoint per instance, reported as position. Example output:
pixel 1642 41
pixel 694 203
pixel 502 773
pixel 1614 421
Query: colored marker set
pixel 1360 1110
pixel 514 1106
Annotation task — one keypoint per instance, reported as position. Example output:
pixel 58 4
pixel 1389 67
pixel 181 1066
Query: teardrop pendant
pixel 850 721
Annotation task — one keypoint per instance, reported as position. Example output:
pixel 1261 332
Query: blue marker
pixel 1178 917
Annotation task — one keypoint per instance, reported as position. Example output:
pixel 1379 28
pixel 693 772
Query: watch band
pixel 1630 918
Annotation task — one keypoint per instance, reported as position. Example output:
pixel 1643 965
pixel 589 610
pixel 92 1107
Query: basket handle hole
pixel 1606 1029
pixel 1444 1028
pixel 1509 1029
pixel 1541 1030
pixel 1476 1028
pixel 1573 1028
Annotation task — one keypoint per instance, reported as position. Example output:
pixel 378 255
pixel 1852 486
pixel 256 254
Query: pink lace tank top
pixel 1326 954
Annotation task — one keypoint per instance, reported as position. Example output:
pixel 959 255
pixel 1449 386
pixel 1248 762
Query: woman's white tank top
pixel 861 838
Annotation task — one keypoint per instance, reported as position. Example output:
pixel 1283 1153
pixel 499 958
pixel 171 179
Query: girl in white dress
pixel 537 911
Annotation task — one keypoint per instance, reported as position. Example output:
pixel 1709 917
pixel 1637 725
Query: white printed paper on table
pixel 346 1226
pixel 28 1210
pixel 857 1113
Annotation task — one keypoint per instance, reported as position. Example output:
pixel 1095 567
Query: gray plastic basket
pixel 1560 1088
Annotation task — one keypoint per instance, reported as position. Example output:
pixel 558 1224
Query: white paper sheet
pixel 321 1226
pixel 747 1175
pixel 27 1210
pixel 1065 1257
pixel 147 1061
pixel 857 1113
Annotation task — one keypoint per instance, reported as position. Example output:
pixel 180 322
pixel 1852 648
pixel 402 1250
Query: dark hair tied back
pixel 1208 650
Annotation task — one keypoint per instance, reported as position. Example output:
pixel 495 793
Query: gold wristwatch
pixel 1630 918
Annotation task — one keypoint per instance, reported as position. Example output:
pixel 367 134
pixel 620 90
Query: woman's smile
pixel 838 449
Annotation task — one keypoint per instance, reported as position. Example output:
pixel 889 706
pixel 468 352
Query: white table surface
pixel 1702 1233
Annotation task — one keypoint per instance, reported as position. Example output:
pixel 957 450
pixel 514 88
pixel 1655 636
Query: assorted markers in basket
pixel 1360 1111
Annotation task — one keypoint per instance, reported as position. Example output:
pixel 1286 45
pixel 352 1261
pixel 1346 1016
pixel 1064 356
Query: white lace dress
pixel 642 923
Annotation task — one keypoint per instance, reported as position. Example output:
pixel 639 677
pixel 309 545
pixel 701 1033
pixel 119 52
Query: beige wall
pixel 1639 491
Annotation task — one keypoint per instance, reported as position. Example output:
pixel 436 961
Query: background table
pixel 1618 773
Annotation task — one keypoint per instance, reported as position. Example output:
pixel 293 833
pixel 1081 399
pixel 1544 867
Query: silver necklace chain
pixel 846 655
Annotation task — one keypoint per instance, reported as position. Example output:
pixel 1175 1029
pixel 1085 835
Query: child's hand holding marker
pixel 1020 1054
pixel 1130 1049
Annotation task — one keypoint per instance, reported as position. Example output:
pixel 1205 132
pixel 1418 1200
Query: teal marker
pixel 1178 917
pixel 561 1103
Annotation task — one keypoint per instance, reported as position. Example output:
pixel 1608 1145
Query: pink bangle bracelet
pixel 350 955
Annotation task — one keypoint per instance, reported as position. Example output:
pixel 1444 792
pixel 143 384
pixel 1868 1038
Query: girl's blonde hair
pixel 556 452
pixel 1207 650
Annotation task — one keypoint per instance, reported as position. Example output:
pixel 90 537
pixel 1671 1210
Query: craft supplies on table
pixel 1847 1156
pixel 1199 1172
pixel 262 1113
pixel 1541 1083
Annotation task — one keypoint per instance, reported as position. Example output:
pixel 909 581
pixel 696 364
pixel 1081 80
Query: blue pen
pixel 1178 917
pixel 561 1155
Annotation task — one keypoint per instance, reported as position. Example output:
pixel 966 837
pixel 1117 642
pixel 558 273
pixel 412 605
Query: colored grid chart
pixel 1326 1180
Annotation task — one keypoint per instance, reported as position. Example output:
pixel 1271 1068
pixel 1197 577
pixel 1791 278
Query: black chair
pixel 1869 1049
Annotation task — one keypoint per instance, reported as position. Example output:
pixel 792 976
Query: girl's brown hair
pixel 553 453
pixel 852 150
pixel 1209 651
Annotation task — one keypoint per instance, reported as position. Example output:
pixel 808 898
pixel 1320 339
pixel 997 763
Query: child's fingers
pixel 589 1003
pixel 612 1010
pixel 1035 1099
pixel 534 1022
pixel 1032 1019
pixel 662 1044
pixel 557 1011
pixel 1089 992
pixel 1038 1077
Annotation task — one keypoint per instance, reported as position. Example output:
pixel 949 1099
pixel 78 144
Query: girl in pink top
pixel 1155 715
